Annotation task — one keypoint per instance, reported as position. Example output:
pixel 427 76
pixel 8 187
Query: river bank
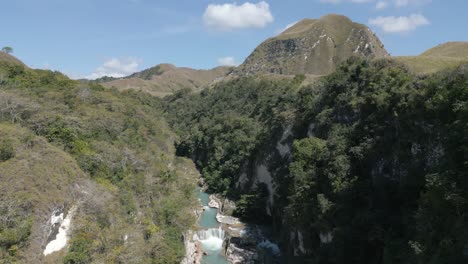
pixel 222 239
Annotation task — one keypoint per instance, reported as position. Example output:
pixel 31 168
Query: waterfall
pixel 211 232
pixel 211 239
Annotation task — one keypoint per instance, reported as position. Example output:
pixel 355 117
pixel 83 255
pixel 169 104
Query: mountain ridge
pixel 453 49
pixel 313 47
pixel 4 57
pixel 165 78
pixel 448 55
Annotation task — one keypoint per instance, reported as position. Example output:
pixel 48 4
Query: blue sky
pixel 91 38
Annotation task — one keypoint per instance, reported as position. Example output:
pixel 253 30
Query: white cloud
pixel 226 17
pixel 392 24
pixel 115 67
pixel 227 61
pixel 400 3
pixel 381 4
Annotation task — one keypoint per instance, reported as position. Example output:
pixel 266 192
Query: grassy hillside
pixel 449 49
pixel 7 58
pixel 35 178
pixel 445 56
pixel 166 79
pixel 428 65
pixel 313 46
pixel 66 144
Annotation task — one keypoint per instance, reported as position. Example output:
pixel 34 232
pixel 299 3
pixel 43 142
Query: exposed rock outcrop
pixel 193 250
pixel 213 202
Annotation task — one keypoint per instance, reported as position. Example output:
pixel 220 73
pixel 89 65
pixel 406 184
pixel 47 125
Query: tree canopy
pixel 377 171
pixel 7 50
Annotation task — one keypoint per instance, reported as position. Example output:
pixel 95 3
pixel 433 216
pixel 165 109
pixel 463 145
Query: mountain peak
pixel 313 46
pixel 335 17
pixel 167 66
pixel 299 27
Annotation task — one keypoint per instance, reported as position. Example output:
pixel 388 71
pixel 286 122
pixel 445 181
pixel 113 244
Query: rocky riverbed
pixel 222 238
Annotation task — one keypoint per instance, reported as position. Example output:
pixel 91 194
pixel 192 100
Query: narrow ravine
pixel 222 239
pixel 212 235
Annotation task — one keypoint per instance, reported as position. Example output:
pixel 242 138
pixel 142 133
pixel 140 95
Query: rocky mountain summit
pixel 313 46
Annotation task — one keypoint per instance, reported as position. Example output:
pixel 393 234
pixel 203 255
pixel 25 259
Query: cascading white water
pixel 211 232
pixel 211 239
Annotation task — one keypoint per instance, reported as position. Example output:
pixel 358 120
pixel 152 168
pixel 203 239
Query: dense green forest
pixel 221 128
pixel 379 160
pixel 376 171
pixel 108 153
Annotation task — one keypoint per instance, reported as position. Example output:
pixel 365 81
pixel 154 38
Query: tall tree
pixel 7 50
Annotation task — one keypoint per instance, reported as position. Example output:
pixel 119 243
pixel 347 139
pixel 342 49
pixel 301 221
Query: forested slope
pixel 367 165
pixel 104 155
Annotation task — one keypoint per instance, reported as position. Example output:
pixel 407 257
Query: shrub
pixel 80 249
pixel 6 150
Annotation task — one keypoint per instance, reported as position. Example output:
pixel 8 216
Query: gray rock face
pixel 238 255
pixel 252 247
pixel 193 249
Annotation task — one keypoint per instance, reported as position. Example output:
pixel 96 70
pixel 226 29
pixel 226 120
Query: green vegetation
pixel 222 128
pixel 15 227
pixel 110 154
pixel 6 150
pixel 148 73
pixel 250 206
pixel 383 172
pixel 7 50
pixel 386 150
pixel 37 176
pixel 368 164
